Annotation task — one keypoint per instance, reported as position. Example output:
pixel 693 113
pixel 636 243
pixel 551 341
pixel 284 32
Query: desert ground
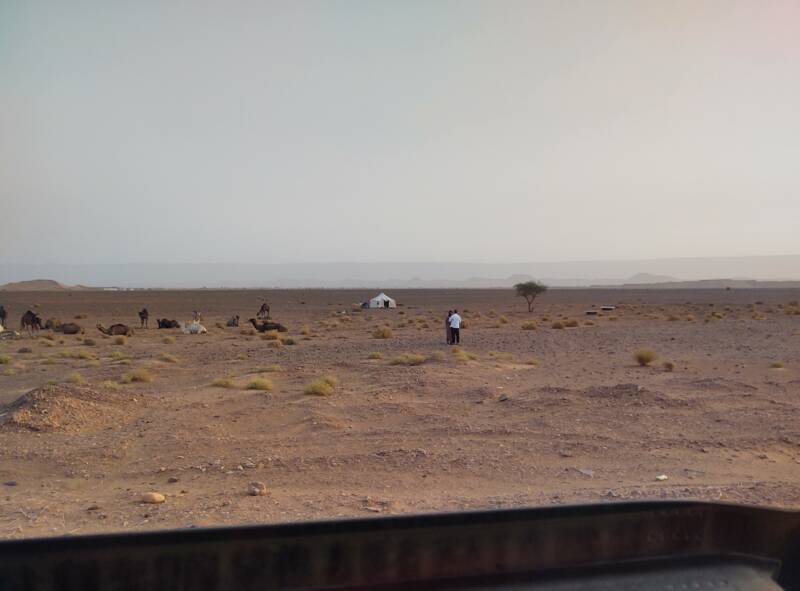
pixel 515 416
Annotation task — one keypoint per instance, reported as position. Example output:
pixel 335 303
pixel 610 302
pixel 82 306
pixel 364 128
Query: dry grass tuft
pixel 668 366
pixel 89 342
pixel 776 364
pixel 571 323
pixel 529 325
pixel 259 384
pixel 269 369
pixel 382 332
pixel 318 388
pixel 645 357
pixel 67 354
pixel 167 358
pixel 140 375
pixel 120 340
pixel 409 359
pixel 461 355
pixel 248 331
pixel 375 355
pixel 437 356
pixel 111 385
pixel 558 325
pixel 81 316
pixel 305 331
pixel 223 383
pixel 5 359
pixel 24 350
pixel 75 378
pixel 168 340
pixel 270 335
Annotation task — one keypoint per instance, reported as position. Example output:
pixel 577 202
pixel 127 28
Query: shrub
pixel 409 359
pixel 270 335
pixel 375 355
pixel 776 364
pixel 75 354
pixel 289 341
pixel 438 356
pixel 9 371
pixel 120 340
pixel 75 378
pixel 529 325
pixel 503 320
pixel 222 383
pixel 111 385
pixel 248 331
pixel 318 388
pixel 5 359
pixel 672 318
pixel 382 332
pixel 118 355
pixel 89 342
pixel 259 384
pixel 24 350
pixel 571 323
pixel 269 369
pixel 669 366
pixel 275 344
pixel 80 316
pixel 644 357
pixel 168 340
pixel 462 355
pixel 167 358
pixel 140 375
pixel 331 380
pixel 558 325
pixel 305 331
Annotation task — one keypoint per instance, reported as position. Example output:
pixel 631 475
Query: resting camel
pixel 3 316
pixel 164 323
pixel 265 326
pixel 263 312
pixel 69 328
pixel 193 328
pixel 116 329
pixel 144 317
pixel 52 324
pixel 233 321
pixel 30 322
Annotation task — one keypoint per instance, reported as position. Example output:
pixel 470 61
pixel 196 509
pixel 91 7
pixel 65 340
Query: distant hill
pixel 41 285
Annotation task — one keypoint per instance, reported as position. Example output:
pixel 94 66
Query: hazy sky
pixel 399 131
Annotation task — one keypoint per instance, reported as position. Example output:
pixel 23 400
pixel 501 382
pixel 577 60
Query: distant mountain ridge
pixel 41 285
pixel 408 275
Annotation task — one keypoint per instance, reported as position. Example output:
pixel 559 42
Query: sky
pixel 376 131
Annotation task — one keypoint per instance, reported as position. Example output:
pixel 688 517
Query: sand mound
pixel 40 285
pixel 63 408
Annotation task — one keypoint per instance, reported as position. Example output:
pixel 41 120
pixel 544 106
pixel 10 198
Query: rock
pixel 172 480
pixel 153 498
pixel 503 398
pixel 661 477
pixel 256 489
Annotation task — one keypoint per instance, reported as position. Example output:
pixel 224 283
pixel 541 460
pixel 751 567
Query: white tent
pixel 382 301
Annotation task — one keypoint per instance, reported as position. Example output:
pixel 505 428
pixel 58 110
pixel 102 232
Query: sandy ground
pixel 518 417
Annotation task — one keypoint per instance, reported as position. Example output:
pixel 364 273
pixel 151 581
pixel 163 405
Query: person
pixel 455 326
pixel 448 332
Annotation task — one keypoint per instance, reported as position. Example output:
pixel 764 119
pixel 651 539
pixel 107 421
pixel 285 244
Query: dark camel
pixel 30 322
pixel 3 316
pixel 116 329
pixel 165 323
pixel 265 326
pixel 144 317
pixel 233 320
pixel 69 328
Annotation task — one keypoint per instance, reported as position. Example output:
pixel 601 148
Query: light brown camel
pixel 144 317
pixel 266 326
pixel 116 329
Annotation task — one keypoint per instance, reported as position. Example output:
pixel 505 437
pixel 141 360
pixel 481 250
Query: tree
pixel 529 290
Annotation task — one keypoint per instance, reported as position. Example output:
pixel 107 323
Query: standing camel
pixel 263 311
pixel 30 322
pixel 144 316
pixel 3 316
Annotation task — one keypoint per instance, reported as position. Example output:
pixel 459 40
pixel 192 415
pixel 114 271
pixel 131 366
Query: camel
pixel 197 317
pixel 116 329
pixel 165 323
pixel 144 317
pixel 52 324
pixel 265 326
pixel 30 322
pixel 233 321
pixel 263 312
pixel 193 328
pixel 3 315
pixel 69 328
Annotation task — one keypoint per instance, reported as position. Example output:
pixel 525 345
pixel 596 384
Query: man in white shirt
pixel 455 325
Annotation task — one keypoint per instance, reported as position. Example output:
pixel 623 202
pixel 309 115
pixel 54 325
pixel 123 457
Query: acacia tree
pixel 529 290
